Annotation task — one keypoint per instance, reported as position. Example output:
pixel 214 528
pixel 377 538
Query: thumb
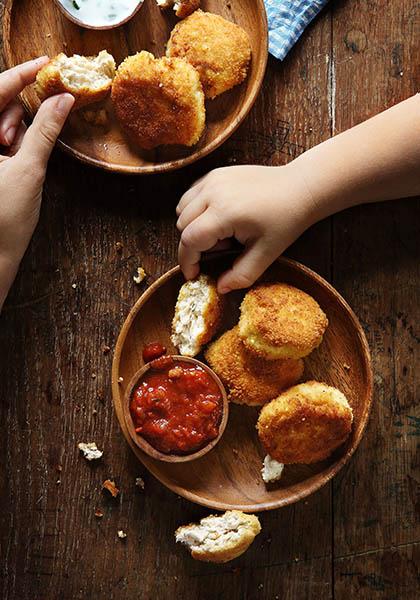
pixel 247 268
pixel 41 136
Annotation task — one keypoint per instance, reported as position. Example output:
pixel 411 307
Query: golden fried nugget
pixel 219 49
pixel 87 78
pixel 248 378
pixel 159 100
pixel 280 321
pixel 305 423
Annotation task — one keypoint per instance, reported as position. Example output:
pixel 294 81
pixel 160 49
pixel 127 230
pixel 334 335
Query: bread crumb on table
pixel 90 450
pixel 140 483
pixel 110 487
pixel 141 276
pixel 121 534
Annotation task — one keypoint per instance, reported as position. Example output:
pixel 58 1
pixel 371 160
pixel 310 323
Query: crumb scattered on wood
pixel 347 367
pixel 74 285
pixel 140 483
pixel 121 534
pixel 120 379
pixel 111 487
pixel 119 247
pixel 141 275
pixel 106 349
pixel 94 411
pixel 93 375
pixel 90 450
pixel 98 513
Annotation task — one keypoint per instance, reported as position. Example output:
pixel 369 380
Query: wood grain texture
pixel 353 539
pixel 106 145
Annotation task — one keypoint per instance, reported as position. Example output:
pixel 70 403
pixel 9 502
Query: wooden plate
pixel 33 28
pixel 229 476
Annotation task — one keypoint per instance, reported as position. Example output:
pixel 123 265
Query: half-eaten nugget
pixel 182 8
pixel 219 539
pixel 87 78
pixel 197 316
pixel 159 101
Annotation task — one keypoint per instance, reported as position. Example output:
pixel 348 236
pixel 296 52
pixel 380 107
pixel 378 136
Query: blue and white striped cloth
pixel 287 19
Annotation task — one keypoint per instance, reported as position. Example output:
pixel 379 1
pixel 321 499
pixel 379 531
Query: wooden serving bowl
pixel 34 28
pixel 230 476
pixel 81 23
pixel 147 448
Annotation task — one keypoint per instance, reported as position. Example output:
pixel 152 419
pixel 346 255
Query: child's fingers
pixel 13 81
pixel 41 136
pixel 200 235
pixel 190 194
pixel 247 268
pixel 191 212
pixel 10 119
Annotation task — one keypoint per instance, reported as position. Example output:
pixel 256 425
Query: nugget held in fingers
pixel 219 539
pixel 87 78
pixel 305 424
pixel 248 378
pixel 219 49
pixel 159 101
pixel 182 8
pixel 197 316
pixel 280 321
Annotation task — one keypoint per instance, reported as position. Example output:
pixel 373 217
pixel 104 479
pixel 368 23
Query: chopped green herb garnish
pixel 76 6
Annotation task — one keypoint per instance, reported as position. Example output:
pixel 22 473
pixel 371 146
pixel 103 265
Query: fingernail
pixel 64 103
pixel 10 135
pixel 224 290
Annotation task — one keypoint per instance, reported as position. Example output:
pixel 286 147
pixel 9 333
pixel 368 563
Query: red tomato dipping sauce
pixel 152 351
pixel 176 407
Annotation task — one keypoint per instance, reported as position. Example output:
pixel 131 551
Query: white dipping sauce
pixel 100 13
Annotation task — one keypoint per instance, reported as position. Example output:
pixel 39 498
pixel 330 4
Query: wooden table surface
pixel 356 538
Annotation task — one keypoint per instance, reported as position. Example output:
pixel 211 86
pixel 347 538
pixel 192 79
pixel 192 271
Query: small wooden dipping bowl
pixel 148 448
pixel 81 23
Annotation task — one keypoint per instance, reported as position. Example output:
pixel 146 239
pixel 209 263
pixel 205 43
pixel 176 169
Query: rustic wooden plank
pixel 376 266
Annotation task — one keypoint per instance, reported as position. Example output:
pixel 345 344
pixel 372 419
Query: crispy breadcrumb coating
pixel 219 49
pixel 159 100
pixel 305 424
pixel 87 78
pixel 250 379
pixel 280 321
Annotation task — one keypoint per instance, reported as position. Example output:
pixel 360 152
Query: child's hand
pixel 23 163
pixel 264 208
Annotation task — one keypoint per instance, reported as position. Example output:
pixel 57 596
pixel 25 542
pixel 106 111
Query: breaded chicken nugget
pixel 248 378
pixel 197 316
pixel 305 423
pixel 87 78
pixel 159 100
pixel 182 8
pixel 220 50
pixel 279 321
pixel 220 538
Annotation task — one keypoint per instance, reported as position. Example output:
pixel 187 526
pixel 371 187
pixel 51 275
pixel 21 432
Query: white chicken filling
pixel 80 71
pixel 189 323
pixel 272 470
pixel 213 532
